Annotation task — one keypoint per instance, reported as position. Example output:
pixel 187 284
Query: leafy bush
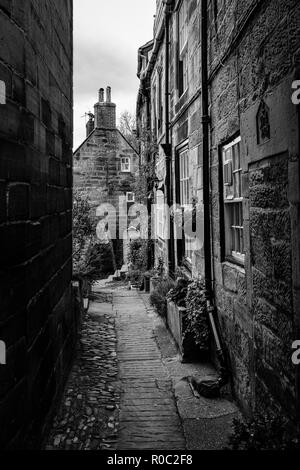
pixel 138 254
pixel 196 323
pixel 264 431
pixel 135 277
pixel 91 260
pixel 158 298
pixel 179 292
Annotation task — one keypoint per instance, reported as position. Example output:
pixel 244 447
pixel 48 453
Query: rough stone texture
pixel 255 304
pixel 36 314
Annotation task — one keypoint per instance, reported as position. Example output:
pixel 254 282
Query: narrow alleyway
pixel 128 388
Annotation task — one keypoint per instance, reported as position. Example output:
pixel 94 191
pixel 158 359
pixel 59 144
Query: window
pixel 185 199
pixel 159 104
pixel 233 201
pixel 125 164
pixel 130 197
pixel 182 49
pixel 160 215
pixel 184 176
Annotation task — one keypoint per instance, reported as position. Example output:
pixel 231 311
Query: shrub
pixel 179 292
pixel 264 431
pixel 135 277
pixel 196 323
pixel 158 298
pixel 138 254
pixel 92 260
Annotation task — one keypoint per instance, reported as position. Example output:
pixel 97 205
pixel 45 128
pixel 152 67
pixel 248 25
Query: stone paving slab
pixel 148 412
pixel 129 390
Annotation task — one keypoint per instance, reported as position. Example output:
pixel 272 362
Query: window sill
pixel 234 263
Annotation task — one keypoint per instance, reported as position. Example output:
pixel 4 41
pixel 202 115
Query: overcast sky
pixel 107 35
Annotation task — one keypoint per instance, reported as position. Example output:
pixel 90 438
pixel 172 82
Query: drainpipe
pixel 167 147
pixel 206 195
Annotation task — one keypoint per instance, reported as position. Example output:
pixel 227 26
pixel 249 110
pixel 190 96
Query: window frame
pixel 184 202
pixel 123 165
pixel 182 52
pixel 127 197
pixel 232 203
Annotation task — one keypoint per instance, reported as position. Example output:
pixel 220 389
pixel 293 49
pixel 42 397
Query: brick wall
pixel 36 315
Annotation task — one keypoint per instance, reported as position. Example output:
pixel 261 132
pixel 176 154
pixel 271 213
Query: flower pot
pixel 154 281
pixel 175 316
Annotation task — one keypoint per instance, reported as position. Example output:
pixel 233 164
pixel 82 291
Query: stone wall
pixel 253 58
pixel 254 50
pixel 36 314
pixel 98 172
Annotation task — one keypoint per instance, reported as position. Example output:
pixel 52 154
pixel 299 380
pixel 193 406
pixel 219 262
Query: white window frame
pixel 184 176
pixel 130 197
pixel 125 164
pixel 233 201
pixel 185 195
pixel 160 216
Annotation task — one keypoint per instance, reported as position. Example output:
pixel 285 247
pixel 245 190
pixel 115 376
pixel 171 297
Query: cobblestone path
pixel 88 415
pixel 148 414
pixel 119 394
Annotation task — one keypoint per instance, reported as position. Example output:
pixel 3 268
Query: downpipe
pixel 205 387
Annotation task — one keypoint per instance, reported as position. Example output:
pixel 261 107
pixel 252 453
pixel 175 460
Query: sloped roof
pixel 102 128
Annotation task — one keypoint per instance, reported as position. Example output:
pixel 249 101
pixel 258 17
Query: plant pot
pixel 175 316
pixel 189 351
pixel 154 281
pixel 135 287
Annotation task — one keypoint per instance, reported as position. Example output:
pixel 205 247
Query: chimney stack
pixel 105 111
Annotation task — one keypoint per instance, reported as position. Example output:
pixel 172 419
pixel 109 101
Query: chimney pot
pixel 108 94
pixel 101 95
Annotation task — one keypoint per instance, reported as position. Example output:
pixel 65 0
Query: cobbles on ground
pixel 119 394
pixel 88 415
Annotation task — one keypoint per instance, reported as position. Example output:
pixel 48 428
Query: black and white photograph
pixel 149 228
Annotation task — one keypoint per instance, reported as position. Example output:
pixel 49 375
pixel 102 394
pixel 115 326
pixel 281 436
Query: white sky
pixel 107 35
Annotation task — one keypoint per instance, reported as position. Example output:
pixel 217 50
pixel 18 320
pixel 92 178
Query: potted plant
pixel 158 296
pixel 135 277
pixel 196 330
pixel 176 310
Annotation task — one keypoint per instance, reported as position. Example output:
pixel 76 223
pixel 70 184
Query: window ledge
pixel 232 263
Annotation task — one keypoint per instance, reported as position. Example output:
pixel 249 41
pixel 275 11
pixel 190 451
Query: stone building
pixel 105 165
pixel 228 136
pixel 37 322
